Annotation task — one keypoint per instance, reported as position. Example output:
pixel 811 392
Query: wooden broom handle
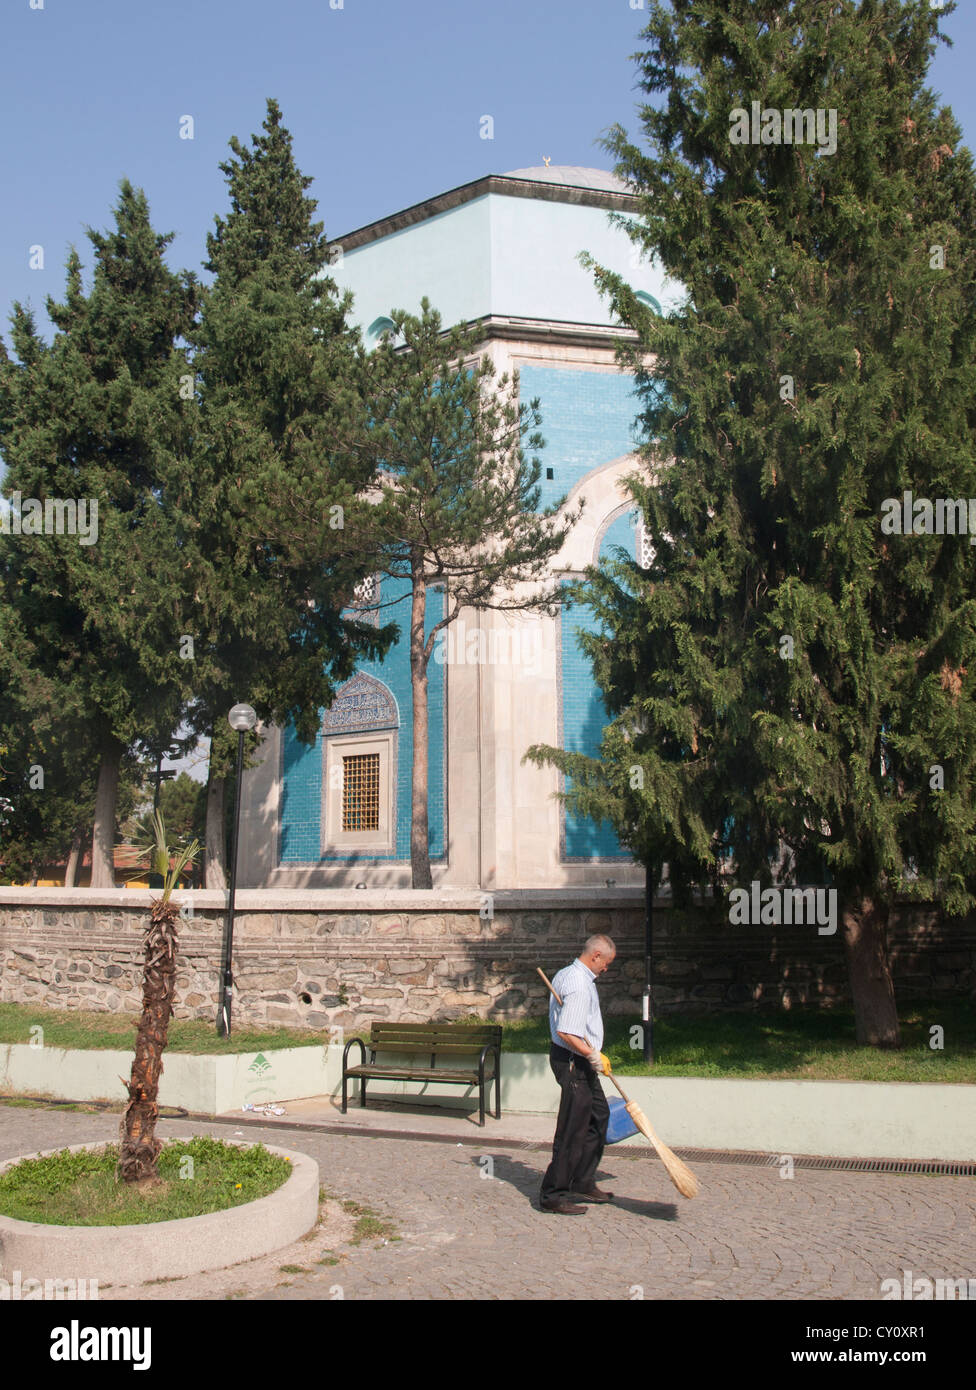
pixel 560 1003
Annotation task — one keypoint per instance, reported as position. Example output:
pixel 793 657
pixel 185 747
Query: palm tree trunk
pixel 138 1146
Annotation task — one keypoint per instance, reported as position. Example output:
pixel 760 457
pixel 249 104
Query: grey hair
pixel 604 944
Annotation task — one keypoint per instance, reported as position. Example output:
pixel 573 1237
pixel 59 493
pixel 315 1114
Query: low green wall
pixel 849 1119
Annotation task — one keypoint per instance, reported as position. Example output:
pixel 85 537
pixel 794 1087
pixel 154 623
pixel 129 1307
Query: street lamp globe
pixel 241 718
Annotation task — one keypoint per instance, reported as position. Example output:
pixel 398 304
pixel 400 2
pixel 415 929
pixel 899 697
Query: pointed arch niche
pixel 359 771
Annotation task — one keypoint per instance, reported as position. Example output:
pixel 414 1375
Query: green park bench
pixel 429 1052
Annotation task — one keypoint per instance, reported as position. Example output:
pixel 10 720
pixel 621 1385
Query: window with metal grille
pixel 365 591
pixel 645 550
pixel 361 792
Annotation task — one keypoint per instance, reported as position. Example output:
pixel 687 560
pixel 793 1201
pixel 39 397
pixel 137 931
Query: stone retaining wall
pixel 315 959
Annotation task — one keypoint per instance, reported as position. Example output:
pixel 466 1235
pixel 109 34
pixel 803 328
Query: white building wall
pixel 535 268
pixel 512 257
pixel 447 258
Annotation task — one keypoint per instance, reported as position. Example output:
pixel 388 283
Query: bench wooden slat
pixel 436 1027
pixel 454 1035
pixel 426 1029
pixel 420 1044
pixel 426 1048
pixel 408 1074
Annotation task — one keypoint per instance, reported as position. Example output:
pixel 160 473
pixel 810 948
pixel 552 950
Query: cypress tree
pixel 92 572
pixel 276 480
pixel 796 672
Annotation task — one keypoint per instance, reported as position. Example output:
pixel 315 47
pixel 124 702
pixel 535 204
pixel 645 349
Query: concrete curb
pixel 162 1249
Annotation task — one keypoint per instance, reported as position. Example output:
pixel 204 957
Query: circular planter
pixel 162 1249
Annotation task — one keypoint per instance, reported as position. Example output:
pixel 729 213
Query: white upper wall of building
pixel 497 254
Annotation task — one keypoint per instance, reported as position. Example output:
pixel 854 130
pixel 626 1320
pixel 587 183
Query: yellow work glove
pixel 601 1061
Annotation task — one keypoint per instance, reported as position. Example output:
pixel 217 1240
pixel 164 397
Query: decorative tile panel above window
pixel 359 735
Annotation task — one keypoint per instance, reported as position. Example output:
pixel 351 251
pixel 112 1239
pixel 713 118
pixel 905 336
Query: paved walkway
pixel 398 1117
pixel 750 1234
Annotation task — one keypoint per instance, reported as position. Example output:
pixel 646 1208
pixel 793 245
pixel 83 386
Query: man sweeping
pixel 576 1029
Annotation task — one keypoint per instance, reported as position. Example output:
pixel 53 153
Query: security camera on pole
pixel 241 718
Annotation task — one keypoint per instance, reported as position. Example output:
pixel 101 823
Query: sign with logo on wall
pixel 264 1085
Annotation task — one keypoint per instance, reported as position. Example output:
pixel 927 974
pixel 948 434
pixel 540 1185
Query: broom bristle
pixel 679 1172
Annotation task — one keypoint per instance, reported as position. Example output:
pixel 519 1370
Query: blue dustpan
pixel 621 1126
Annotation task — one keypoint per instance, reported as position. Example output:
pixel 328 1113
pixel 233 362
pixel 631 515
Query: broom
pixel 679 1173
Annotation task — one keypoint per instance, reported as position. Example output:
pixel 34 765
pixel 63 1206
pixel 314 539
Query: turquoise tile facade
pixel 583 711
pixel 301 798
pixel 587 419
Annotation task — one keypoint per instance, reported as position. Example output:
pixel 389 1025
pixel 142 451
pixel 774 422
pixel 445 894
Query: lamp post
pixel 650 883
pixel 162 751
pixel 161 775
pixel 241 718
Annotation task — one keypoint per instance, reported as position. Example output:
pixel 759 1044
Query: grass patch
pixel 369 1224
pixel 85 1029
pixel 803 1043
pixel 106 1107
pixel 292 1269
pixel 81 1189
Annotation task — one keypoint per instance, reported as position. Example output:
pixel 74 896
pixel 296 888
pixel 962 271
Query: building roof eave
pixel 502 184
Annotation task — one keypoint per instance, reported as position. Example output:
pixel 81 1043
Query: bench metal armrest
pixel 362 1052
pixel 488 1047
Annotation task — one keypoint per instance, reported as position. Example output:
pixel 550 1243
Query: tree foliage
pixel 788 675
pixel 92 422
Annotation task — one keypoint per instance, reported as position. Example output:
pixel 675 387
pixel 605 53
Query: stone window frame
pixel 334 840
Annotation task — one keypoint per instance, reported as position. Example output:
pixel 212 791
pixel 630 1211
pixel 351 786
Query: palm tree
pixel 138 1147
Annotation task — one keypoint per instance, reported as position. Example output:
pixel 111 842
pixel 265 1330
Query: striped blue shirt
pixel 580 1012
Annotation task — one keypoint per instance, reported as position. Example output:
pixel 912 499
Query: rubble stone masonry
pixel 313 959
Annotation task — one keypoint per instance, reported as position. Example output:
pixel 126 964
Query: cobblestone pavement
pixel 750 1234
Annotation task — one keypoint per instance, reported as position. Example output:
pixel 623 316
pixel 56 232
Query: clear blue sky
pixel 383 98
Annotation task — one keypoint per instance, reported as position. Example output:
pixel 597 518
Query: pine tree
pixel 459 503
pixel 806 677
pixel 275 478
pixel 47 790
pixel 48 772
pixel 89 422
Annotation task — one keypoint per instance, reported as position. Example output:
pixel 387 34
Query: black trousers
pixel 581 1128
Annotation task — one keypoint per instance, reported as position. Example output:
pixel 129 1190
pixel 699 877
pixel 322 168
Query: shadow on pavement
pixel 526 1180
